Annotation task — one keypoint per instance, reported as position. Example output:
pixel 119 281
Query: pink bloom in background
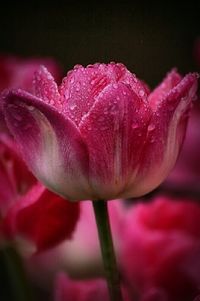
pixel 67 289
pixel 101 131
pixel 160 253
pixel 186 173
pixel 28 211
pixel 18 72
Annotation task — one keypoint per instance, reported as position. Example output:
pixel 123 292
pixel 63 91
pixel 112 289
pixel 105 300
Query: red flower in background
pixel 28 210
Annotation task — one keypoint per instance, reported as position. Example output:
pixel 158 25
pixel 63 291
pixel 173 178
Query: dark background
pixel 149 38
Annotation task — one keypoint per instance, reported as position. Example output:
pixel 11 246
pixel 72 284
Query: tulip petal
pixel 50 144
pixel 45 87
pixel 42 218
pixel 115 131
pixel 82 86
pixel 78 90
pixel 172 79
pixel 166 131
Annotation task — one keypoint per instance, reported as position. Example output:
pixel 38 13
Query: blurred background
pixel 149 38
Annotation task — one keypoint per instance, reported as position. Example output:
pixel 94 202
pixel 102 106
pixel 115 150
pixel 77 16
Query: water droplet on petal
pixel 135 125
pixel 141 93
pixel 124 92
pixel 72 106
pixel 151 127
pixel 30 108
pixel 77 87
pixel 115 86
pixel 72 80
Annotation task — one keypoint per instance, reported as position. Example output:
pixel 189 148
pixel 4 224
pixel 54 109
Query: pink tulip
pixel 160 252
pixel 100 135
pixel 28 211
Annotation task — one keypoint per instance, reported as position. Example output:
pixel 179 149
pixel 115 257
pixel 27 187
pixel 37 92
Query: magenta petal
pixel 115 131
pixel 166 131
pixel 172 79
pixel 79 89
pixel 51 144
pixel 41 217
pixel 45 87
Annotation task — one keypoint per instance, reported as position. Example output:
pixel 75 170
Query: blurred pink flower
pixel 101 132
pixel 186 173
pixel 160 251
pixel 18 72
pixel 67 289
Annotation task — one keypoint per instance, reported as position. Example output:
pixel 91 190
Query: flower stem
pixel 107 249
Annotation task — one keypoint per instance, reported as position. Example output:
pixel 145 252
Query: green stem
pixel 107 249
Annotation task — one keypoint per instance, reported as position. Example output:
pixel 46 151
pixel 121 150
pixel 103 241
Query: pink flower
pixel 67 289
pixel 28 211
pixel 18 72
pixel 101 132
pixel 160 252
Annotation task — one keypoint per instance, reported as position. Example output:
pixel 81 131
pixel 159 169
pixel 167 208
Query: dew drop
pixel 67 94
pixel 72 80
pixel 151 127
pixel 103 128
pixel 77 87
pixel 31 108
pixel 72 106
pixel 115 86
pixel 141 93
pixel 124 92
pixel 135 125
